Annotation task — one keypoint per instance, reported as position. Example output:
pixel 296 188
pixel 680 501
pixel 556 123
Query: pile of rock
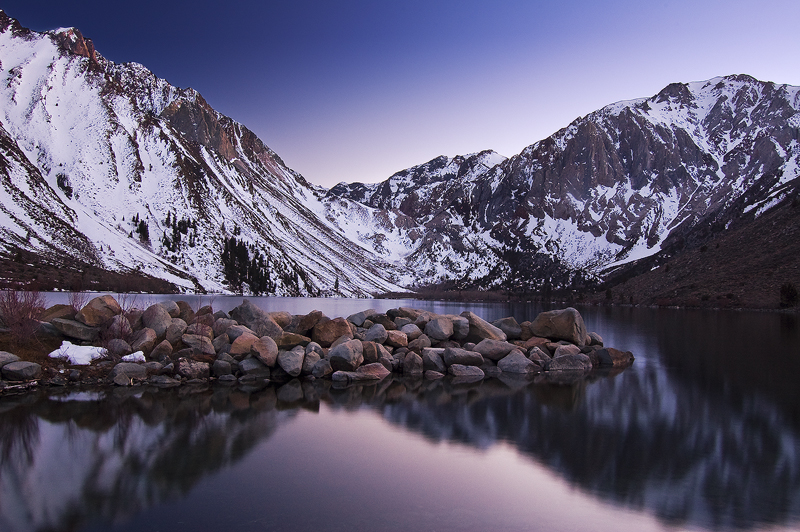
pixel 251 345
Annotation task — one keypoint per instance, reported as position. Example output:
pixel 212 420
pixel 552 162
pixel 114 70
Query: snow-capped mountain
pixel 112 167
pixel 615 186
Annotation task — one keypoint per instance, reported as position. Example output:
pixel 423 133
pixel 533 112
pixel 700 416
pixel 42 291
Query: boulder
pixel 242 345
pixel 460 370
pixel 118 348
pixel 235 331
pixel 419 344
pixel 377 333
pixel 308 322
pixel 76 329
pixel 282 318
pixel 172 308
pixel 432 360
pixel 200 344
pixel 292 361
pixel 516 362
pixel 370 352
pixel 347 356
pixel 7 358
pixel 309 360
pixel 157 318
pixel 539 357
pixel 396 338
pixel 536 341
pixel 220 368
pixel 608 356
pixel 376 370
pixel 480 329
pixel 205 319
pixel 411 331
pixel 144 340
pixel 186 312
pixel 384 320
pixel 577 362
pixel 221 325
pixel 566 324
pixel 124 373
pixel 58 311
pixel 509 326
pixel 192 369
pixel 460 327
pixel 433 375
pixel 219 343
pixel 256 320
pixel 98 311
pixel 525 331
pixel 199 329
pixel 359 318
pixel 595 339
pixel 322 369
pixel 266 350
pixel 289 340
pixel 118 327
pixel 161 351
pixel 326 331
pixel 21 371
pixel 494 349
pixel 253 366
pixel 369 372
pixel 566 350
pixel 412 364
pixel 462 357
pixel 176 330
pixel 439 329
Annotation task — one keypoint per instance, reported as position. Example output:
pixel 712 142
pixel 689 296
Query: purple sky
pixel 356 90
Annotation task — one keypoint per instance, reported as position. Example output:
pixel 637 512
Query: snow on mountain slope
pixel 121 157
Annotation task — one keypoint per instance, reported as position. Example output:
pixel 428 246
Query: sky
pixel 356 90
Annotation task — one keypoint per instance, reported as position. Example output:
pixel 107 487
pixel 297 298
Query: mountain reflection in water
pixel 643 439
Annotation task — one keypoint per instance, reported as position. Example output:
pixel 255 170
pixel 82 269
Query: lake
pixel 701 433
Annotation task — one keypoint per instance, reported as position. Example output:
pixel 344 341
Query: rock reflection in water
pixel 643 439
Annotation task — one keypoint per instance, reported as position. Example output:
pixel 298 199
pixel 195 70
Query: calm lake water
pixel 701 433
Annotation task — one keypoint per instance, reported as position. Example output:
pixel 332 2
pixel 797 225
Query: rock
pixel 289 340
pixel 144 340
pixel 76 329
pixel 235 331
pixel 221 326
pixel 200 344
pixel 282 318
pixel 370 352
pixel 347 356
pixel 608 356
pixel 359 318
pixel 411 331
pixel 402 322
pixel 460 327
pixel 161 351
pixel 460 370
pixel 494 349
pixel 376 370
pixel 205 319
pixel 98 311
pixel 325 332
pixel 419 344
pixel 292 361
pixel 570 363
pixel 433 374
pixel 219 342
pixel 163 381
pixel 384 320
pixel 186 313
pixel 412 364
pixel 536 341
pixel 432 360
pixel 564 324
pixel 525 331
pixel 192 369
pixel 480 329
pixel 256 320
pixel 220 368
pixel 7 358
pixel 199 329
pixel 462 357
pixel 377 333
pixel 125 372
pixel 135 318
pixel 21 371
pixel 58 311
pixel 176 330
pixel 172 308
pixel 396 338
pixel 206 309
pixel 157 318
pixel 344 338
pixel 308 322
pixel 595 339
pixel 266 350
pixel 118 348
pixel 315 347
pixel 242 344
pixel 322 369
pixel 510 327
pixel 539 357
pixel 309 361
pixel 118 327
pixel 253 366
pixel 566 350
pixel 516 362
pixel 439 329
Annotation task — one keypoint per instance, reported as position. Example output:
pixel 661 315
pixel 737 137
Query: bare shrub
pixel 20 312
pixel 77 300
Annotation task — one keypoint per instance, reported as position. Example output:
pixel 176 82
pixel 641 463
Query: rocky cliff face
pixel 110 166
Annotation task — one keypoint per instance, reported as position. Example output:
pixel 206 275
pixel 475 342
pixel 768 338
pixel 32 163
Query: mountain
pixel 112 177
pixel 614 187
pixel 109 166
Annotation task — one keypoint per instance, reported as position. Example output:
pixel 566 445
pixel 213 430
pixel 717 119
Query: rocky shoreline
pixel 169 344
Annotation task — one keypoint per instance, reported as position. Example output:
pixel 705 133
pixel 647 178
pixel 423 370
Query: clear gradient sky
pixel 355 90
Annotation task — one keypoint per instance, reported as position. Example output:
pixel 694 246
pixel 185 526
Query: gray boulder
pixel 292 361
pixel 7 358
pixel 563 350
pixel 460 327
pixel 118 348
pixel 192 369
pixel 494 349
pixel 411 331
pixel 221 325
pixel 516 362
pixel 21 371
pixel 347 356
pixel 266 350
pixel 200 344
pixel 144 340
pixel 157 318
pixel 460 370
pixel 480 329
pixel 359 318
pixel 235 331
pixel 175 330
pixel 432 360
pixel 509 326
pixel 256 320
pixel 377 333
pixel 172 308
pixel 220 368
pixel 309 360
pixel 322 369
pixel 161 351
pixel 412 364
pixel 439 328
pixel 566 324
pixel 577 362
pixel 462 357
pixel 124 373
pixel 253 366
pixel 76 329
